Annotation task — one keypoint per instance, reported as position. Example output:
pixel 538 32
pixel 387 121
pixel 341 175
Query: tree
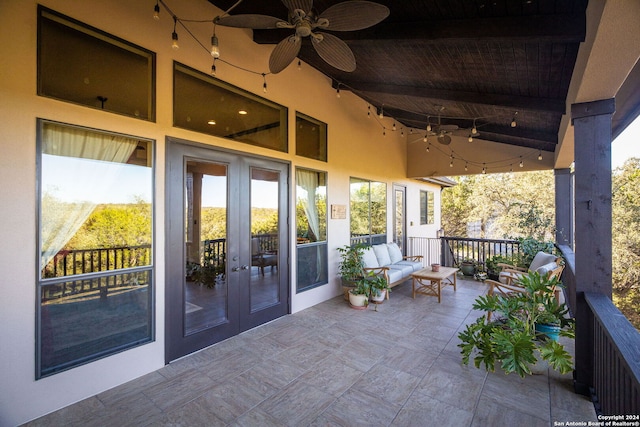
pixel 626 239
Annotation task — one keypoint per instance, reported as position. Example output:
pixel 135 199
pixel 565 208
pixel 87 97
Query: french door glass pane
pixel 264 238
pixel 205 289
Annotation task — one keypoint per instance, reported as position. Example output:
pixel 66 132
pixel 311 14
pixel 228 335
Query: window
pixel 78 63
pixel 95 259
pixel 368 210
pixel 311 137
pixel 426 207
pixel 204 104
pixel 311 228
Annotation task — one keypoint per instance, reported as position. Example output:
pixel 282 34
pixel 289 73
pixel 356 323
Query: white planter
pixel 380 298
pixel 358 300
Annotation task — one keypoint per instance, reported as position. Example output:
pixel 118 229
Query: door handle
pixel 245 267
pixel 235 269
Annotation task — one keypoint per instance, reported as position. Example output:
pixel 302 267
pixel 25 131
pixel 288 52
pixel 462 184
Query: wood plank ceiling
pixel 482 60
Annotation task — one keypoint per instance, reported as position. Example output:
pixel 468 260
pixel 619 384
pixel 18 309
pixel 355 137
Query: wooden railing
pixel 84 261
pixel 616 359
pixel 456 249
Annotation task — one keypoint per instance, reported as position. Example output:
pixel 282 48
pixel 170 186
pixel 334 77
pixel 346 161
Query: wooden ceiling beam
pixel 531 29
pixel 515 102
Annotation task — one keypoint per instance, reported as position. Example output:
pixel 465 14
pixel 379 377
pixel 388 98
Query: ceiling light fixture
pixel 243 112
pixel 211 122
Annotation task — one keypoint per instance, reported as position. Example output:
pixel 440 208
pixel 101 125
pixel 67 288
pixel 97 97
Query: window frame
pixel 322 147
pixel 41 281
pixel 319 244
pixel 370 238
pixel 427 200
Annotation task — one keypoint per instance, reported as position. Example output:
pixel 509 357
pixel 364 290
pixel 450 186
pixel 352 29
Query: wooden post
pixel 564 207
pixel 592 147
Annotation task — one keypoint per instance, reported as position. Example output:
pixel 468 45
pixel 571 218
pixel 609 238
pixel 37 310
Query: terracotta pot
pixel 435 267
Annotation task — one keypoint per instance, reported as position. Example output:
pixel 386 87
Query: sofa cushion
pixel 541 259
pixel 505 275
pixel 543 270
pixel 369 258
pixel 394 275
pixel 394 252
pixel 415 265
pixel 405 269
pixel 382 254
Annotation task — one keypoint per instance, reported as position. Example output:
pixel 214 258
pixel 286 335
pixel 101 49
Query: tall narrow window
pixel 311 228
pixel 311 137
pixel 95 245
pixel 427 207
pixel 368 205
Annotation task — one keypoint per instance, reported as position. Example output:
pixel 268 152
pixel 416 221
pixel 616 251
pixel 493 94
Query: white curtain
pixel 308 180
pixel 61 217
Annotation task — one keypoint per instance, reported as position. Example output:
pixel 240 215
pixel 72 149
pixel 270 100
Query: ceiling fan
pixel 346 16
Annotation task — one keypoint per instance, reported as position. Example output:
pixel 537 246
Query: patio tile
pixel 411 361
pixel 332 376
pixel 358 408
pixel 432 412
pixel 78 414
pixel 130 388
pixel 492 413
pixel 389 384
pixel 523 395
pixel 297 404
pixel 179 390
pixel 269 376
pixel 447 387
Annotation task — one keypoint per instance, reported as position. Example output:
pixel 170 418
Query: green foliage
pixel 351 265
pixel 530 246
pixel 626 240
pixel 508 204
pixel 511 338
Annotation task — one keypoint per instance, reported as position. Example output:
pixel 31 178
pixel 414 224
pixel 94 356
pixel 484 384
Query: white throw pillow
pixel 394 252
pixel 382 253
pixel 541 259
pixel 369 258
pixel 545 269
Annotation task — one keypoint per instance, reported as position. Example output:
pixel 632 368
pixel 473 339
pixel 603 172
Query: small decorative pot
pixel 435 267
pixel 552 331
pixel 379 298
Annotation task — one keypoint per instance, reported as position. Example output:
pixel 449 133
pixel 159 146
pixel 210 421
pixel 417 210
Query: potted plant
pixel 204 275
pixel 378 287
pixel 359 295
pixel 493 264
pixel 468 267
pixel 511 338
pixel 351 265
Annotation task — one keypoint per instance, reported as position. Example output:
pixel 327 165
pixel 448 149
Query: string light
pixel 540 155
pixel 156 11
pixel 428 124
pixel 368 111
pixel 474 129
pixel 174 35
pixel 466 168
pixel 215 48
pixel 470 138
pixel 513 121
pixel 299 64
pixel 484 168
pixel 338 92
pixel 213 67
pixel 425 138
pixel 511 168
pixel 428 145
pixel 381 112
pixel 264 84
pixel 521 162
pixel 451 162
pixel 384 131
pixel 393 128
pixel 401 131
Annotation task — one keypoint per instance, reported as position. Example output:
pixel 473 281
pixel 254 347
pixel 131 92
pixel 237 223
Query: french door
pixel 227 245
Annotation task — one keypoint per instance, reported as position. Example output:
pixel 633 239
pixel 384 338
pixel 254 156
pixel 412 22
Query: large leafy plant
pixel 351 265
pixel 511 338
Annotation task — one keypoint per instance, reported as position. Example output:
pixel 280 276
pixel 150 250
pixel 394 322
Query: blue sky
pixel 626 145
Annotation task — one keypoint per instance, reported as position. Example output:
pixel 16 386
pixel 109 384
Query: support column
pixel 564 207
pixel 592 147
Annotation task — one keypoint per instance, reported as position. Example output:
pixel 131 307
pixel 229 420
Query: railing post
pixel 592 153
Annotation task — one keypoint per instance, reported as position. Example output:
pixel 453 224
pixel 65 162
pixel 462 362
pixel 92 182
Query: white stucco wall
pixel 356 148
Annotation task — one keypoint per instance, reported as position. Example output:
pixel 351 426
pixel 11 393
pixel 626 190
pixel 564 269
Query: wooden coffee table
pixel 429 282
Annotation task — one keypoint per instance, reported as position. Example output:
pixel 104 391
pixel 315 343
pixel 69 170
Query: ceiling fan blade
pixel 256 22
pixel 292 5
pixel 334 51
pixel 284 53
pixel 354 15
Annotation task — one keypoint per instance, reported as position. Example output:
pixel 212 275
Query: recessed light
pixel 243 112
pixel 211 122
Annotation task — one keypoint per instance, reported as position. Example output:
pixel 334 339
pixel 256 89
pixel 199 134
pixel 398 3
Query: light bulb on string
pixel 213 67
pixel 264 84
pixel 521 162
pixel 215 47
pixel 466 166
pixel 384 131
pixel 394 126
pixel 451 162
pixel 381 116
pixel 156 11
pixel 470 138
pixel 540 155
pixel 428 145
pixel 511 168
pixel 401 131
pixel 299 64
pixel 368 111
pixel 513 121
pixel 474 129
pixel 428 124
pixel 338 92
pixel 424 139
pixel 174 35
pixel 484 168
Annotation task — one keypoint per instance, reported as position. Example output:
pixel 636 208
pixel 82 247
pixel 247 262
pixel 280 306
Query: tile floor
pixel 331 365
